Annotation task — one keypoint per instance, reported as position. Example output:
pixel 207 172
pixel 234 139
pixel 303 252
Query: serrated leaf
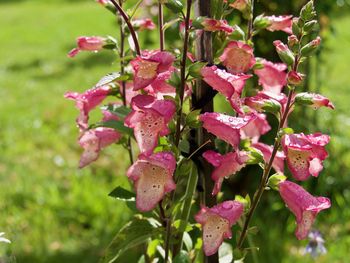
pixel 122 194
pixel 136 232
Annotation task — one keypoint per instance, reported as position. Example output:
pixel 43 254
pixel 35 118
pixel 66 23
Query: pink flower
pixel 149 119
pixel 129 91
pixel 217 222
pixel 278 162
pixel 213 25
pixel 283 23
pixel 313 100
pixel 238 57
pixel 228 84
pixel 267 101
pixel 144 24
pixel 148 66
pixel 272 77
pixel 303 205
pixel 88 44
pixel 225 127
pixel 225 165
pixel 259 126
pixel 87 101
pixel 241 5
pixel 305 154
pixel 92 141
pixel 295 78
pixel 153 178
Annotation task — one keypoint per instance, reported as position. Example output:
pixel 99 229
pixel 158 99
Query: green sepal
pixel 275 180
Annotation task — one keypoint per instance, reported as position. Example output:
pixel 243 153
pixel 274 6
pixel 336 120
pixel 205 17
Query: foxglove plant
pixel 163 115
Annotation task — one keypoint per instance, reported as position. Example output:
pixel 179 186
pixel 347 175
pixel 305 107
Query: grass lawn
pixel 53 212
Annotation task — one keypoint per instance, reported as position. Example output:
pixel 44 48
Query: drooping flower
pixel 148 66
pixel 149 119
pixel 267 101
pixel 225 127
pixel 238 57
pixel 153 178
pixel 87 101
pixel 278 161
pixel 240 5
pixel 213 25
pixel 315 247
pixel 94 140
pixel 217 222
pixel 254 129
pixel 283 23
pixel 303 205
pixel 143 24
pixel 305 154
pixel 225 165
pixel 313 100
pixel 230 85
pixel 272 77
pixel 88 44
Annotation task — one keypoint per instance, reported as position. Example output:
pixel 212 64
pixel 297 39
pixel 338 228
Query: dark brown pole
pixel 204 52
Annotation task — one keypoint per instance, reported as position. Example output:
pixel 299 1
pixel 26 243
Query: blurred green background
pixel 53 212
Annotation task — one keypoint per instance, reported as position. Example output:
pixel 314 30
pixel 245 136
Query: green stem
pixel 183 73
pixel 160 25
pixel 266 173
pixel 186 208
pixel 128 23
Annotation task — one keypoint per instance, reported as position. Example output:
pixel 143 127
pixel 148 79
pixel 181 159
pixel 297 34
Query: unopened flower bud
pixel 292 41
pixel 309 25
pixel 285 54
pixel 313 100
pixel 241 5
pixel 295 26
pixel 261 22
pixel 294 78
pixel 107 4
pixel 310 47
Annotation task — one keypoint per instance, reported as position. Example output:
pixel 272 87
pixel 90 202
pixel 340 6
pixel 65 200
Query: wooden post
pixel 204 93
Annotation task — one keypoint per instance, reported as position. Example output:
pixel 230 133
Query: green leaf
pixel 195 69
pixel 307 12
pixel 174 5
pixel 182 257
pixel 152 247
pixel 178 222
pixel 117 125
pixel 136 232
pixel 122 194
pixel 184 146
pixel 275 180
pixel 118 110
pixel 192 119
pixel 187 241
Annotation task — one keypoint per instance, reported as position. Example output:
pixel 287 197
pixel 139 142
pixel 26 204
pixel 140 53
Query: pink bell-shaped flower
pixel 303 205
pixel 225 127
pixel 153 178
pixel 230 85
pixel 277 23
pixel 213 25
pixel 238 57
pixel 94 140
pixel 87 101
pixel 305 154
pixel 149 119
pixel 272 77
pixel 88 44
pixel 278 162
pixel 149 65
pixel 256 128
pixel 225 165
pixel 216 224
